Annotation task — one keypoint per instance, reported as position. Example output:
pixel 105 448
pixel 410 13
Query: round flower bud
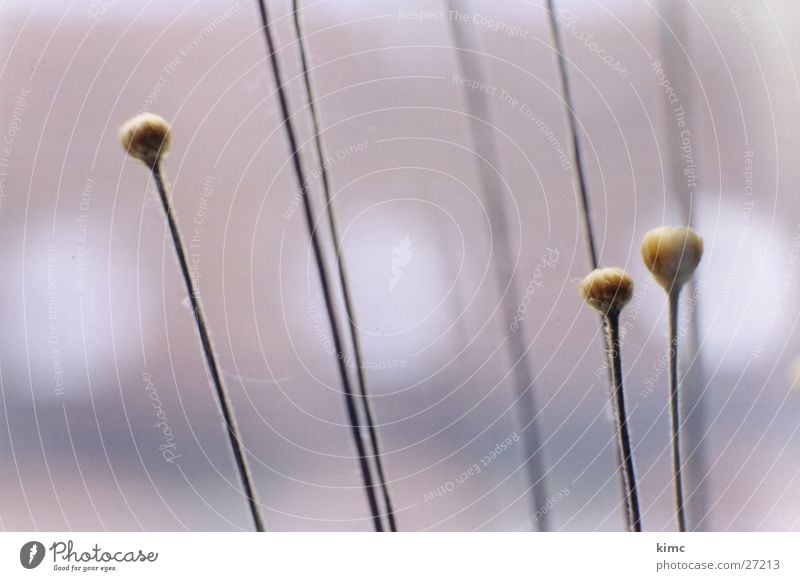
pixel 607 289
pixel 146 137
pixel 672 255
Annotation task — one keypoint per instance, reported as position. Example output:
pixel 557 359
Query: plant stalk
pixel 351 398
pixel 625 451
pixel 344 285
pixel 674 406
pixel 208 353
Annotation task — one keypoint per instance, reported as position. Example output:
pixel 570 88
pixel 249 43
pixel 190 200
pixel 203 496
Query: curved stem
pixel 208 353
pixel 674 407
pixel 625 451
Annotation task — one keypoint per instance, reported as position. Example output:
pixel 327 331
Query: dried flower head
pixel 672 255
pixel 607 289
pixel 146 137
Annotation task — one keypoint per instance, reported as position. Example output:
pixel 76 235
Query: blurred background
pixel 444 129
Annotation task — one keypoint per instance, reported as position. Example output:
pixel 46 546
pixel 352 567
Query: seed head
pixel 607 289
pixel 146 137
pixel 672 255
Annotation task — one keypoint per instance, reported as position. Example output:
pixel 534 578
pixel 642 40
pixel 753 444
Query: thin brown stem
pixel 344 284
pixel 625 451
pixel 573 130
pixel 674 406
pixel 361 440
pixel 208 353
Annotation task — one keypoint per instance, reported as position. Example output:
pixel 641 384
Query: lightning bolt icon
pixel 34 550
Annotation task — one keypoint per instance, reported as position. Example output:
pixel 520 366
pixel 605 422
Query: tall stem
pixel 344 284
pixel 625 451
pixel 674 406
pixel 573 130
pixel 208 353
pixel 351 399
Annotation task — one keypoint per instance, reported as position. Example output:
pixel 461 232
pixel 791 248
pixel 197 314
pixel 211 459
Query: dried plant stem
pixel 573 130
pixel 580 178
pixel 624 450
pixel 674 406
pixel 208 352
pixel 344 285
pixel 352 400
